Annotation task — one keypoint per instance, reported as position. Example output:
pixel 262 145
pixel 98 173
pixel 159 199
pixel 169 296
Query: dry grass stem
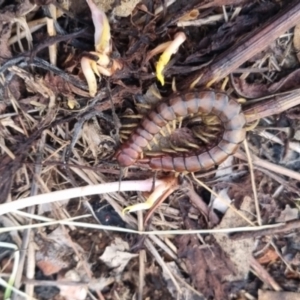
pixel 270 166
pixel 258 214
pixel 143 185
pixel 201 22
pixel 52 32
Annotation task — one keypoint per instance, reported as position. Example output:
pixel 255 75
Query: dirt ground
pixel 149 149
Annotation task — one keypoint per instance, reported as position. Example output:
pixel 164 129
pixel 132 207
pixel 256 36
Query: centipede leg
pixel 162 132
pixel 174 124
pixel 155 140
pixel 168 128
pixel 180 122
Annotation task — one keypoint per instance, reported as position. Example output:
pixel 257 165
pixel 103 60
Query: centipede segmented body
pixel 226 109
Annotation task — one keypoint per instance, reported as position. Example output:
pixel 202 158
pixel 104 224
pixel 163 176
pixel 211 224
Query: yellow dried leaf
pixel 72 103
pixel 191 15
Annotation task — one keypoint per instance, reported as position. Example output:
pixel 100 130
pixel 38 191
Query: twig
pixel 253 183
pixel 275 105
pixel 52 32
pixel 27 235
pixel 142 258
pixel 249 46
pixel 69 222
pixel 263 274
pixel 270 166
pixel 200 22
pixel 283 228
pixel 161 262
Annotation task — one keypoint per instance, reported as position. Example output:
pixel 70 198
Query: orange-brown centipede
pixel 226 109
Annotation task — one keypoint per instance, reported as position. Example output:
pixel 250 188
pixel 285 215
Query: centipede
pixel 177 107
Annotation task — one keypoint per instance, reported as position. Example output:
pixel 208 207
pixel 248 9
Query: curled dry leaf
pixel 218 204
pixel 116 256
pixel 170 49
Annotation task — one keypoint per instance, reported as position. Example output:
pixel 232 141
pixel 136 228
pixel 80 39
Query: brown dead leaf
pixel 240 251
pixel 207 266
pixel 55 251
pixel 257 90
pixel 269 256
pixel 186 293
pixel 247 90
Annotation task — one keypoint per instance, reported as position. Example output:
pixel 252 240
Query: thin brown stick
pixel 261 163
pixel 263 274
pixel 249 46
pixel 275 105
